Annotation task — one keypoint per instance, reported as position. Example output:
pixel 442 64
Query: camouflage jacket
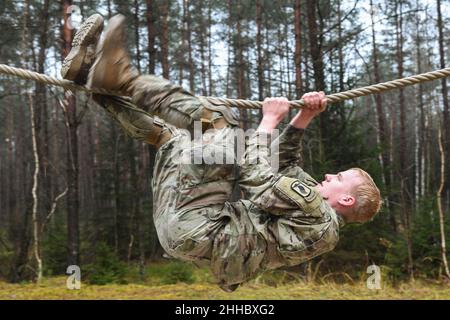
pixel 293 218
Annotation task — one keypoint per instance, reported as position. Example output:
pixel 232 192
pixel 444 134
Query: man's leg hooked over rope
pixel 113 70
pixel 134 121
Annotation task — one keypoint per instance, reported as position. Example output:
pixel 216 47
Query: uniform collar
pixel 340 220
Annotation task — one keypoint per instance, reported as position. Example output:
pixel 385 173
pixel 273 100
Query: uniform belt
pixel 158 134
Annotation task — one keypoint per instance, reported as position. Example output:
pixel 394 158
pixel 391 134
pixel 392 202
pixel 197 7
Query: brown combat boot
pixel 76 65
pixel 112 70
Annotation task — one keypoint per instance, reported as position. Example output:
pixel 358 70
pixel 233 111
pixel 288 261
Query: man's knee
pixel 190 234
pixel 135 122
pixel 188 248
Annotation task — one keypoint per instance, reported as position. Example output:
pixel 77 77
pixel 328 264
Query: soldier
pixel 286 217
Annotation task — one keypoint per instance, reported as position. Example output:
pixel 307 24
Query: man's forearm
pixel 300 121
pixel 268 124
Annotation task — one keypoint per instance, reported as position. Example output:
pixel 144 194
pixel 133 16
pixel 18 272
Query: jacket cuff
pixel 292 133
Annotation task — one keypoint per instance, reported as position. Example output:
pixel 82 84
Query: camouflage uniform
pixel 282 222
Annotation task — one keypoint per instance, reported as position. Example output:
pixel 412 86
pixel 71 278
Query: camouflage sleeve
pixel 290 147
pixel 256 174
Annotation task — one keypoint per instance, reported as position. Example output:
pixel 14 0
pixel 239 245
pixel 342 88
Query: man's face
pixel 337 188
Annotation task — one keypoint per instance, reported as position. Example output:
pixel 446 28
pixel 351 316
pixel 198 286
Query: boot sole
pixel 88 34
pixel 113 38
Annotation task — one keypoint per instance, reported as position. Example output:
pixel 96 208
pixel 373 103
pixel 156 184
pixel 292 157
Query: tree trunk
pixel 315 47
pixel 20 226
pixel 382 135
pixel 268 58
pixel 115 136
pixel 240 66
pixel 151 37
pixel 140 215
pixel 202 45
pixel 93 176
pixel 420 120
pixel 444 95
pixel 210 82
pixel 288 59
pixel 405 208
pixel 134 197
pixel 340 51
pixel 41 116
pixel 439 203
pixel 189 45
pixel 183 47
pixel 164 38
pixel 35 217
pixel 108 7
pixel 73 236
pixel 280 52
pixel 136 34
pixel 229 46
pixel 156 249
pixel 298 48
pixel 259 49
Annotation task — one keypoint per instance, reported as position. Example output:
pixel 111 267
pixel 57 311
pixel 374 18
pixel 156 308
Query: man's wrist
pixel 301 121
pixel 268 124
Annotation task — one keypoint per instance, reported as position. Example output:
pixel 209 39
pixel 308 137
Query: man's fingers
pixel 283 100
pixel 307 99
pixel 316 102
pixel 306 96
pixel 275 106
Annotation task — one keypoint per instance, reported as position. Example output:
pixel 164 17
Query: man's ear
pixel 347 201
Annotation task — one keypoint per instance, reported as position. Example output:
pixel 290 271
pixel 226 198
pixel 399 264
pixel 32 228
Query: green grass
pixel 182 281
pixel 55 288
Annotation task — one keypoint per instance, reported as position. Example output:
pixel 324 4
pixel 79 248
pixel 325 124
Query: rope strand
pixel 240 103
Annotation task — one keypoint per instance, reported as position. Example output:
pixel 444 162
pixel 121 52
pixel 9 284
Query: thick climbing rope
pixel 241 103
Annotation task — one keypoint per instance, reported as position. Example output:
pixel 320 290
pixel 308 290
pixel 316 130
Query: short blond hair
pixel 367 196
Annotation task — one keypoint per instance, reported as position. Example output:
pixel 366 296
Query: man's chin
pixel 320 190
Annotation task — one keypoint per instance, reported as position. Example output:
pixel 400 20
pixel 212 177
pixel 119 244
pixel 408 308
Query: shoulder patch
pixel 301 188
pixel 298 192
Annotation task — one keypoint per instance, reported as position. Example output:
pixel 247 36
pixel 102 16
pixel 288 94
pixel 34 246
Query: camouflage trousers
pixel 194 217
